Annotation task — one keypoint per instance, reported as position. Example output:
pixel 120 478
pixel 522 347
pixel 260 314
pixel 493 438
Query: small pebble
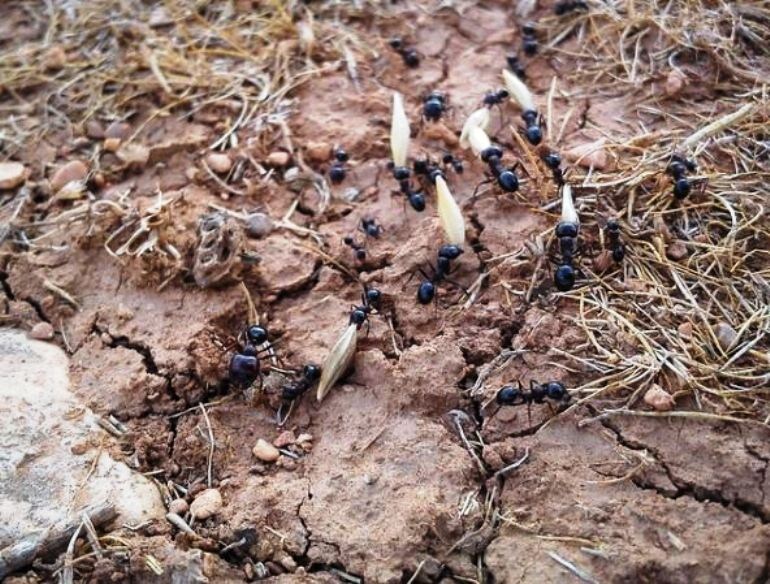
pixel 265 451
pixel 287 462
pixel 42 331
pixel 676 251
pixel 55 58
pixel 79 448
pixel 136 155
pixel 318 151
pixel 725 334
pixel 258 225
pixel 278 159
pixel 284 439
pixel 438 131
pixel 119 130
pixel 659 399
pixel 94 130
pixel 206 504
pixel 288 563
pixel 675 82
pixel 67 173
pixel 112 144
pixel 12 174
pixel 179 506
pixel 492 458
pixel 685 330
pixel 219 163
pixel 351 194
pixel 591 154
pixel 304 438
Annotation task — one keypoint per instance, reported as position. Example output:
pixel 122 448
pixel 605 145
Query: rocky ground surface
pixel 400 474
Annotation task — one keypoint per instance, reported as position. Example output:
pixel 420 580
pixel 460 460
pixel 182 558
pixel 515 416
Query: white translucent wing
pixel 338 361
pixel 449 214
pixel 568 211
pixel 399 132
pixel 478 119
pixel 478 139
pixel 518 91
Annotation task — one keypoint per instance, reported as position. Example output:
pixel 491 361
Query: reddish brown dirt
pixel 388 487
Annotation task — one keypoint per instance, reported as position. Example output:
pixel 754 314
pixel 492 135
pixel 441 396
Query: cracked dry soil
pixel 388 490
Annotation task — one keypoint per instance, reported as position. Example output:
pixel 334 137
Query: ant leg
pixel 476 190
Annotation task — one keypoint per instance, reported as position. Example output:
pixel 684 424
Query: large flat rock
pixel 42 482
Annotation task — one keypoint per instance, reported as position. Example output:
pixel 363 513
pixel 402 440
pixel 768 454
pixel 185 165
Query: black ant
pixel 515 65
pixel 612 229
pixel 678 169
pixel 370 300
pixel 337 172
pixel 401 174
pixel 537 393
pixel 565 6
pixel 245 367
pixel 434 106
pixel 456 164
pixel 492 98
pixel 564 275
pixel 310 374
pixel 532 122
pixel 427 289
pixel 553 161
pixel 368 227
pixel 507 179
pixel 529 39
pixel 410 56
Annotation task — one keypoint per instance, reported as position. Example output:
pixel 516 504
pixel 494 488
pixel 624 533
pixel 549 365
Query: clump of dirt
pixel 202 203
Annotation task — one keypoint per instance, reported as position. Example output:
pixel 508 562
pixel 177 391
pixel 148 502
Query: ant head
pixel 434 174
pixel 509 395
pixel 458 166
pixel 358 316
pixel 529 28
pixel 417 201
pixel 341 155
pixel 426 292
pixel 450 251
pixel 556 391
pixel 256 334
pixel 552 160
pixel 337 173
pixel 534 134
pixel 360 254
pixel 396 43
pixel 448 158
pixel 613 225
pixel 436 96
pixel 508 181
pixel 682 188
pixel 433 108
pixel 502 94
pixel 564 278
pixel 311 372
pixel 347 240
pixel 373 297
pixel 491 152
pixel 401 173
pixel 566 229
pixel 411 58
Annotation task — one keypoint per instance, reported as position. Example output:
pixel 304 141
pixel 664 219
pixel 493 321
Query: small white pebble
pixel 265 451
pixel 206 504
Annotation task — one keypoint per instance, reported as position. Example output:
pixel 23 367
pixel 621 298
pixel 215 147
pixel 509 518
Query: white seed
pixel 478 139
pixel 399 132
pixel 478 119
pixel 338 361
pixel 568 211
pixel 449 214
pixel 519 92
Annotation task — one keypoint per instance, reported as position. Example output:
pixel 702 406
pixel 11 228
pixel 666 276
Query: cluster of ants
pixel 245 366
